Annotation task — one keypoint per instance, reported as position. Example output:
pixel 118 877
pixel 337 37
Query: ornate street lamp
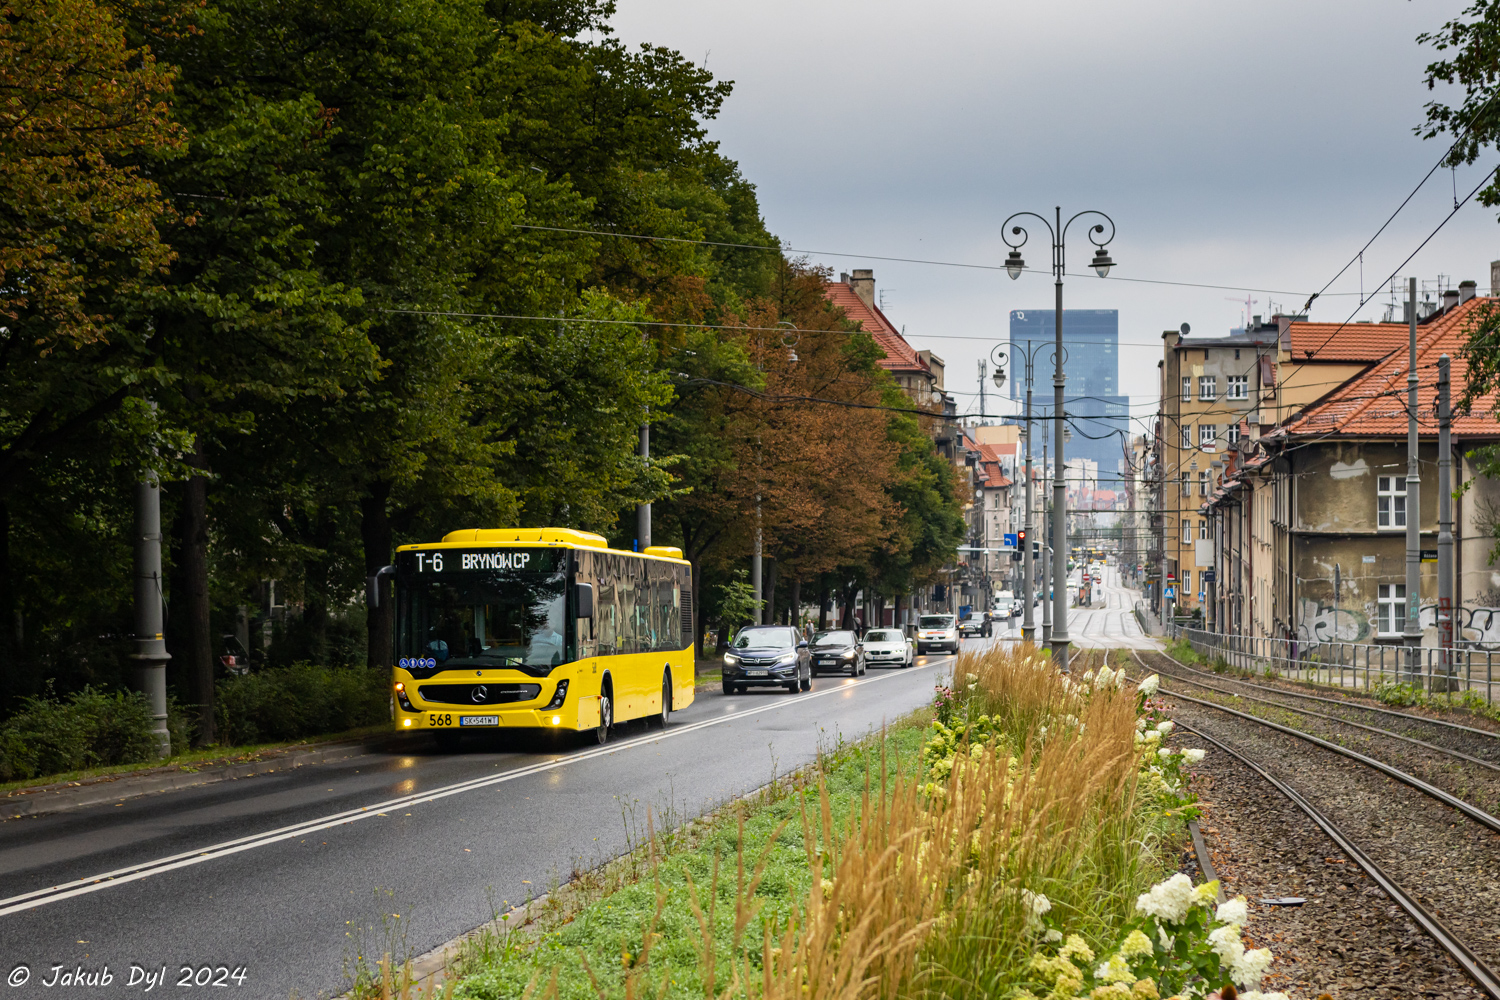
pixel 1014 265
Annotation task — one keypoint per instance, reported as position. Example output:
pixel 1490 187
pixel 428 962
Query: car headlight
pixel 848 654
pixel 786 659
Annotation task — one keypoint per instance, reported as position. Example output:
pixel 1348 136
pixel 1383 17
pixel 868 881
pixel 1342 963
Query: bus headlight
pixel 406 705
pixel 558 697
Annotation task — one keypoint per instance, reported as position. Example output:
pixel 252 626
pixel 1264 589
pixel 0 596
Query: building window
pixel 1187 486
pixel 1208 388
pixel 1236 354
pixel 1187 532
pixel 1208 434
pixel 1203 530
pixel 1390 501
pixel 1187 388
pixel 1203 484
pixel 1392 608
pixel 1233 433
pixel 1239 387
pixel 1187 435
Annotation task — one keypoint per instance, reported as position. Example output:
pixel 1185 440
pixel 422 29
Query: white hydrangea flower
pixel 1169 900
pixel 1193 755
pixel 1251 966
pixel 1207 894
pixel 1105 676
pixel 1135 943
pixel 1164 753
pixel 1149 686
pixel 1052 936
pixel 1152 736
pixel 1235 911
pixel 1036 904
pixel 972 678
pixel 1140 724
pixel 1225 941
pixel 1166 726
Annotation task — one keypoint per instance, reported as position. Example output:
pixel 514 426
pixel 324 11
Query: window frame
pixel 1208 436
pixel 1187 388
pixel 1390 503
pixel 1386 597
pixel 1208 388
pixel 1238 387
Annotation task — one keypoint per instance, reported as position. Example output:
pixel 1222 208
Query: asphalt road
pixel 265 875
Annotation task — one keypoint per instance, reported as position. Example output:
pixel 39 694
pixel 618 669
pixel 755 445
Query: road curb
pixel 48 799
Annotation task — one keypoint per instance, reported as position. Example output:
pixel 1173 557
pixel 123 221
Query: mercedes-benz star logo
pixel 478 693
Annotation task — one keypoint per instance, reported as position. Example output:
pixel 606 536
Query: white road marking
pixel 120 876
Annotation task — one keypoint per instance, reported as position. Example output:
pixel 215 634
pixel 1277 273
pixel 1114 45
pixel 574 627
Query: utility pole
pixel 1445 521
pixel 1046 541
pixel 150 654
pixel 1059 642
pixel 1028 588
pixel 643 511
pixel 1413 632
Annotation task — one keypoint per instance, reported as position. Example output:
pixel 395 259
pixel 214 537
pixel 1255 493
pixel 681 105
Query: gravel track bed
pixel 1478 786
pixel 1350 939
pixel 1352 709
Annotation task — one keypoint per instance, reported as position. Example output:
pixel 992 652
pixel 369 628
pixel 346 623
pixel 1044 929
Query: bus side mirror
pixel 583 600
pixel 372 585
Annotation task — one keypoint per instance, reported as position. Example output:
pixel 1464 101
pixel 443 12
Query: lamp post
pixel 1014 265
pixel 1001 358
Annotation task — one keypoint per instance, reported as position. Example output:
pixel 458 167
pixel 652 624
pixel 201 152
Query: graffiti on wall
pixel 1479 627
pixel 1319 621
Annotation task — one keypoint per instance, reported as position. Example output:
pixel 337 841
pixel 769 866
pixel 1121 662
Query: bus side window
pixel 667 615
pixel 604 615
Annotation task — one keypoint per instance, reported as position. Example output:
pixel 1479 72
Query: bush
pixel 288 703
pixel 90 729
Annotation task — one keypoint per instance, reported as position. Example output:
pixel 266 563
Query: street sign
pixel 1171 592
pixel 1010 540
pixel 1209 576
pixel 1429 555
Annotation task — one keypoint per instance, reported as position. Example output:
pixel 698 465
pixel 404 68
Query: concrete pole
pixel 643 511
pixel 1059 641
pixel 150 654
pixel 1445 517
pixel 1028 586
pixel 1412 635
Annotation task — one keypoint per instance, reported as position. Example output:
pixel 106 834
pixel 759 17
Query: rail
pixel 1351 665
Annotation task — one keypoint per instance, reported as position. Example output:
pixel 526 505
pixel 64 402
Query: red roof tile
pixel 1374 404
pixel 899 355
pixel 1352 342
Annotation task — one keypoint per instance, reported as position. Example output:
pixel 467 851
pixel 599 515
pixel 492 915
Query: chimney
pixel 844 277
pixel 1495 277
pixel 1450 299
pixel 863 283
pixel 1467 290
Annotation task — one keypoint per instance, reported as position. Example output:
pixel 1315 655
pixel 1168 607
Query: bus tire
pixel 665 718
pixel 606 712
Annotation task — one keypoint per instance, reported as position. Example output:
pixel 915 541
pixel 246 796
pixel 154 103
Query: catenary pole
pixel 150 654
pixel 1059 642
pixel 1445 516
pixel 1412 634
pixel 1028 589
pixel 643 511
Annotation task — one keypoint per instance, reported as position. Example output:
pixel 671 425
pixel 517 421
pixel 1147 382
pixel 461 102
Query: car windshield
pixel 763 638
pixel 834 639
pixel 937 621
pixel 883 635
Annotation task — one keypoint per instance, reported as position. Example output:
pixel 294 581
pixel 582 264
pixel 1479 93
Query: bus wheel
pixel 606 714
pixel 666 700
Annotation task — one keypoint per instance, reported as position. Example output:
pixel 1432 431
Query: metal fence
pixel 1356 666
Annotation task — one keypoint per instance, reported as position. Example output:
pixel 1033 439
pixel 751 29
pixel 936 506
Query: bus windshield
pixel 500 617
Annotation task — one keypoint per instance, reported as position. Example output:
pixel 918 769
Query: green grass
pixel 600 932
pixel 192 760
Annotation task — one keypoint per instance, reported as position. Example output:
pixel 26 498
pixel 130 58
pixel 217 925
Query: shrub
pixel 90 729
pixel 288 703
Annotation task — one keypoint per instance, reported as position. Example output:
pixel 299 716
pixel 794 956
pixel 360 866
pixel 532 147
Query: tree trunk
pixel 10 617
pixel 794 615
pixel 192 604
pixel 375 532
pixel 768 585
pixel 896 616
pixel 824 601
pixel 700 623
pixel 847 622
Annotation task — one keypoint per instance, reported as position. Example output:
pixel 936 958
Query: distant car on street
pixel 888 647
pixel 837 650
pixel 974 625
pixel 937 632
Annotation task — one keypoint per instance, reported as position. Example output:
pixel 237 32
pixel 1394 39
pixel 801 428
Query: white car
pixel 887 647
pixel 935 631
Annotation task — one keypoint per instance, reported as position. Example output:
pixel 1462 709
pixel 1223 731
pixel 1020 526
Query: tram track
pixel 1422 846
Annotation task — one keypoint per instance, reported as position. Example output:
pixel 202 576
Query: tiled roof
pixel 1374 404
pixel 994 479
pixel 1352 342
pixel 899 355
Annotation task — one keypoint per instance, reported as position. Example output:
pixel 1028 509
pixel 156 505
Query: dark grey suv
pixel 767 655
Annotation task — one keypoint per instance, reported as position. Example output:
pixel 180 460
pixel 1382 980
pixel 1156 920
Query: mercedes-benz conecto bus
pixel 542 628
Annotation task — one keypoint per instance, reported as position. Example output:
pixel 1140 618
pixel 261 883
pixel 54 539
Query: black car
pixel 838 650
pixel 976 625
pixel 767 655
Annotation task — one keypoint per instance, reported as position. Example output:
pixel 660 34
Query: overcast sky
pixel 1256 144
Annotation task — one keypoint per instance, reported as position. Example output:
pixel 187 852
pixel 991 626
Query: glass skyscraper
pixel 1091 342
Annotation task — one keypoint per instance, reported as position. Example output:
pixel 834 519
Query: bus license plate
pixel 479 720
pixel 755 673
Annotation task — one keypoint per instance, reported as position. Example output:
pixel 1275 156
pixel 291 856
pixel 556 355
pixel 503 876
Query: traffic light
pixel 1020 546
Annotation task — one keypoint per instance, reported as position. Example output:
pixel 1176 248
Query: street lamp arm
pixel 1007 230
pixel 1096 228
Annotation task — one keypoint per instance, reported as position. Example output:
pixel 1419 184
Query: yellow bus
pixel 537 628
